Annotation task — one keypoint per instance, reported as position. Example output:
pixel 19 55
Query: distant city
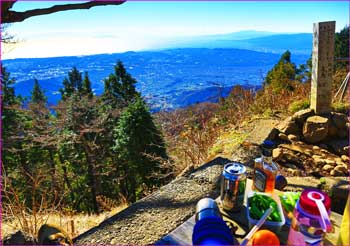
pixel 182 73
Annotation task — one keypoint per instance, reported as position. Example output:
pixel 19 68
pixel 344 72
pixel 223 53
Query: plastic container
pixel 270 225
pixel 307 228
pixel 289 198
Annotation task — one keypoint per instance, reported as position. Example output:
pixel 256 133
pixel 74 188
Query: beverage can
pixel 233 185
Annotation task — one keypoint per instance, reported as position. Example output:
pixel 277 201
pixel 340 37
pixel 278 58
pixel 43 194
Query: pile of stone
pixel 313 144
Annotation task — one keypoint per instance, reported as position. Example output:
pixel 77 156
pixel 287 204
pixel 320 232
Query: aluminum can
pixel 233 185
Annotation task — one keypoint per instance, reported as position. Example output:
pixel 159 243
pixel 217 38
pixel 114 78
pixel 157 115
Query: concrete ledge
pixel 152 217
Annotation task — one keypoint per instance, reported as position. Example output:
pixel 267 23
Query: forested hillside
pixel 84 148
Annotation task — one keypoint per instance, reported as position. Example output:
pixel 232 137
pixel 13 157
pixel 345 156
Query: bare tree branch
pixel 10 16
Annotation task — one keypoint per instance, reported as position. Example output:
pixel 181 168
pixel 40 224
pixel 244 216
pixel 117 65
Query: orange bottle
pixel 265 170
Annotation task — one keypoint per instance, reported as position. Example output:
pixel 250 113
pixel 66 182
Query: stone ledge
pixel 149 219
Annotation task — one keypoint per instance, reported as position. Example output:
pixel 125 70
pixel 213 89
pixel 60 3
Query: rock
pixel 339 146
pixel 18 238
pixel 339 120
pixel 336 173
pixel 318 160
pixel 330 162
pixel 332 131
pixel 291 157
pixel 113 241
pixel 327 168
pixel 345 158
pixel 297 147
pixel 339 161
pixel 341 169
pixel 315 147
pixel 302 115
pixel 293 137
pixel 277 154
pixel 294 172
pixel 272 135
pixel 340 192
pixel 315 129
pixel 288 126
pixel 283 137
pixel 308 152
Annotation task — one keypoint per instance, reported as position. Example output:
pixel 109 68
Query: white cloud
pixel 60 46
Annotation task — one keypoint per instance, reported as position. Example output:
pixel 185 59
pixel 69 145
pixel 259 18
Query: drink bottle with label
pixel 265 170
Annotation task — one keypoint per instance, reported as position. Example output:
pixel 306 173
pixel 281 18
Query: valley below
pixel 167 79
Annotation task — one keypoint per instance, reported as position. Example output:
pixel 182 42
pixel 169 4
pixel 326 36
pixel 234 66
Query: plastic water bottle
pixel 210 228
pixel 311 218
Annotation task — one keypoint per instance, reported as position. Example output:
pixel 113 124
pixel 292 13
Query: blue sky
pixel 139 25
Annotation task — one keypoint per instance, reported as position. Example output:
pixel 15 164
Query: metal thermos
pixel 233 184
pixel 207 207
pixel 210 228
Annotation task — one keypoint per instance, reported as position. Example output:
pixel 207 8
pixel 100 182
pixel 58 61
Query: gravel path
pixel 149 219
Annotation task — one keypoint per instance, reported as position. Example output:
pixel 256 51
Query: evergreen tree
pixel 8 91
pixel 138 146
pixel 341 48
pixel 86 86
pixel 282 74
pixel 38 95
pixel 119 87
pixel 303 72
pixel 10 105
pixel 74 83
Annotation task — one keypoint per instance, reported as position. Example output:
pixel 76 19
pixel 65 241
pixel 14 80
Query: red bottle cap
pixel 309 205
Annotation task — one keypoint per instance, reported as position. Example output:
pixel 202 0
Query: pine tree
pixel 38 95
pixel 138 145
pixel 341 49
pixel 8 91
pixel 282 74
pixel 86 86
pixel 10 105
pixel 74 83
pixel 119 87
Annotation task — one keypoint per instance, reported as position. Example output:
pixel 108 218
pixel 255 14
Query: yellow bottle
pixel 344 237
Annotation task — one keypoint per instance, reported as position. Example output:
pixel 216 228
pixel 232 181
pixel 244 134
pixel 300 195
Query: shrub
pixel 299 105
pixel 341 107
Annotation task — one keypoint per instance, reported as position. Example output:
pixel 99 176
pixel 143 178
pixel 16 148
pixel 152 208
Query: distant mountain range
pixel 172 78
pixel 300 43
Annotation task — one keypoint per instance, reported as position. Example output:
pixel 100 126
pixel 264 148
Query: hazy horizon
pixel 140 26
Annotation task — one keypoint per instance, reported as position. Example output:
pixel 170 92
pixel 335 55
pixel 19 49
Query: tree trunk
pixel 91 174
pixel 66 180
pixel 54 186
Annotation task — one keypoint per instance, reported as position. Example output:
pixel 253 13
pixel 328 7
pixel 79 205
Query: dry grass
pixel 193 135
pixel 74 224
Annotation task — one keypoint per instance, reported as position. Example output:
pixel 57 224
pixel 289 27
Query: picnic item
pixel 210 228
pixel 265 238
pixel 207 207
pixel 289 201
pixel 257 204
pixel 265 170
pixel 257 226
pixel 344 237
pixel 280 182
pixel 311 218
pixel 233 185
